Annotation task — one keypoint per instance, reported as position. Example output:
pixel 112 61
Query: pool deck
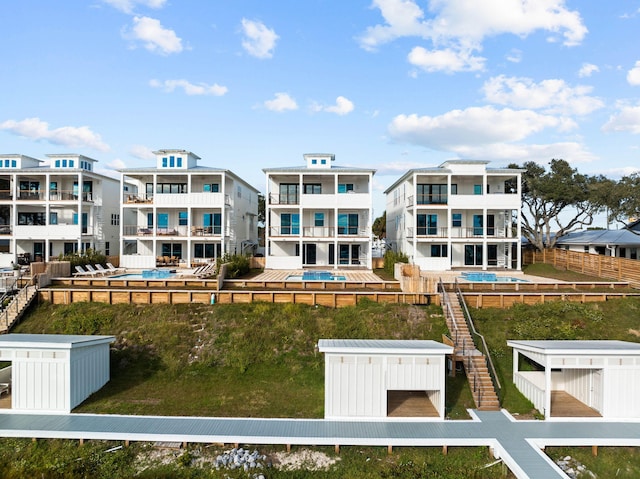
pixel 361 276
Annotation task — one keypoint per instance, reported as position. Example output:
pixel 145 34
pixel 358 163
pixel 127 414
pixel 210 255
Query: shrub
pixel 391 258
pixel 237 265
pixel 90 256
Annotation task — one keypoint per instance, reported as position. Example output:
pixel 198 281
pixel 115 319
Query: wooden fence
pixel 617 269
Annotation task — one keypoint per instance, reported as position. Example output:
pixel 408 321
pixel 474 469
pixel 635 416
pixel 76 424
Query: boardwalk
pixel 518 443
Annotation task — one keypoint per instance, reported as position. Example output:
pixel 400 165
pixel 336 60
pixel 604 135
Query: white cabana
pixel 379 379
pixel 53 373
pixel 600 378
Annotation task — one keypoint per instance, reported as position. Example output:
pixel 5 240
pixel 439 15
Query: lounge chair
pixel 114 270
pixel 200 269
pixel 95 272
pixel 81 272
pixel 102 270
pixel 208 271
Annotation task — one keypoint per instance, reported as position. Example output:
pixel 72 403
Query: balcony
pixel 6 194
pixel 318 231
pixel 353 231
pixel 32 195
pixel 433 199
pixel 133 199
pixel 275 199
pixel 5 229
pixel 286 231
pixel 65 195
pixel 182 231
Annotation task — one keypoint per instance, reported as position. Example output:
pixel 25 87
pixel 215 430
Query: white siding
pixel 621 389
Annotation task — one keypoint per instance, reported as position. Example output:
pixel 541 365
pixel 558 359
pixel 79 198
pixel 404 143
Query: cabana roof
pixel 569 347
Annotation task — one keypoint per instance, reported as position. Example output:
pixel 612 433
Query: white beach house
pixel 460 214
pixel 318 214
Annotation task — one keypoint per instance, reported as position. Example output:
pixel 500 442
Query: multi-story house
pixel 458 215
pixel 318 215
pixel 48 210
pixel 186 213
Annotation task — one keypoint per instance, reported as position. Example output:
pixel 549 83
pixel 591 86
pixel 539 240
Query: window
pixel 149 220
pixel 239 191
pixel 212 223
pixel 477 225
pixel 203 250
pixel 6 163
pixel 290 224
pixel 312 189
pixel 70 248
pixel 633 253
pixel 438 250
pixel 491 226
pixel 57 163
pixel 163 220
pixel 211 188
pixel 85 221
pixel 172 161
pixel 64 163
pixel 14 163
pixel 345 187
pixel 71 164
pixel 182 218
pixel 431 194
pixel 289 194
pixel 179 162
pixel 319 219
pixel 456 220
pixel 172 249
pixel 4 246
pixel 427 225
pixel 164 162
pixel 324 162
pixel 477 189
pixel 53 218
pixel 314 161
pixel 31 219
pixel 171 188
pixel 348 224
pixel 115 219
pixel 107 248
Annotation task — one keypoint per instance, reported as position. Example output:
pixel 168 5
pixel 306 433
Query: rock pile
pixel 573 468
pixel 242 459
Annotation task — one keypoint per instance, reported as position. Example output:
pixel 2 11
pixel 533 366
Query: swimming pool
pixel 147 274
pixel 482 277
pixel 316 276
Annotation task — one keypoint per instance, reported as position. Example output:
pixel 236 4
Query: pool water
pixel 315 276
pixel 482 277
pixel 147 274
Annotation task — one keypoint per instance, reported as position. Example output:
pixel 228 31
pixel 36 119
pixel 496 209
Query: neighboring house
pixel 65 207
pixel 622 243
pixel 579 378
pixel 182 213
pixel 460 214
pixel 318 215
pixel 380 379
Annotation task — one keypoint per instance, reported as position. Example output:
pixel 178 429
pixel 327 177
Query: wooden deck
pixel 410 404
pixel 564 404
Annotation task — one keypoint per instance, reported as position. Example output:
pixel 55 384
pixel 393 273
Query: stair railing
pixel 479 342
pixel 15 305
pixel 448 311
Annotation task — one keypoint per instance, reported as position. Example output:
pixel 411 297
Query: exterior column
pixel 519 227
pixel 547 390
pixel 47 214
pixel 80 191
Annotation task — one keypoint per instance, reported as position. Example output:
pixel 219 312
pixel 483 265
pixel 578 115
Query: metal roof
pixel 383 346
pixel 66 341
pixel 600 238
pixel 306 169
pixel 593 347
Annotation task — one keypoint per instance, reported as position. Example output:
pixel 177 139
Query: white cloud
pixel 457 28
pixel 446 60
pixel 116 164
pixel 127 6
pixel 281 102
pixel 472 127
pixel 190 88
pixel 154 36
pixel 142 152
pixel 572 152
pixel 587 70
pixel 633 76
pixel 551 96
pixel 626 120
pixel 342 107
pixel 259 41
pixel 36 129
pixel 514 56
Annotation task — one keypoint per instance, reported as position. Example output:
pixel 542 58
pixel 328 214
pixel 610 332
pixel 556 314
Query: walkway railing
pixel 479 341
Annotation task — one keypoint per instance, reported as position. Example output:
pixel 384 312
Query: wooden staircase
pixel 17 307
pixel 475 363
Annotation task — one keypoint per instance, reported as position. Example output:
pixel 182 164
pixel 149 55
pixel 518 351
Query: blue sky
pixel 383 84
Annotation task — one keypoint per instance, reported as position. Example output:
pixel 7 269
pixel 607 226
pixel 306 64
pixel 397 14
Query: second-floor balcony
pixel 179 199
pixel 459 232
pixel 290 199
pixel 183 231
pixel 51 195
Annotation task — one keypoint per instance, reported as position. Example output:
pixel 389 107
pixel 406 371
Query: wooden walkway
pixel 564 404
pixel 518 443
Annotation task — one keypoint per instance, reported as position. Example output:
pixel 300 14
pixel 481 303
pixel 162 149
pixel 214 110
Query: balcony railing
pixel 456 232
pixel 5 229
pixel 63 195
pixel 275 199
pixel 351 231
pixel 6 194
pixel 318 231
pixel 424 199
pixel 130 199
pixel 141 230
pixel 284 231
pixel 32 194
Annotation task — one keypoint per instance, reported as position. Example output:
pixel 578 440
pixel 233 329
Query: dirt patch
pixel 635 332
pixel 303 459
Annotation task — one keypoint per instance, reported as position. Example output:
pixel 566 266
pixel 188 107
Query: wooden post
pixel 445 450
pixel 288 447
pixel 126 443
pixel 337 449
pixel 81 441
pixel 184 445
pixel 389 450
pixel 594 450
